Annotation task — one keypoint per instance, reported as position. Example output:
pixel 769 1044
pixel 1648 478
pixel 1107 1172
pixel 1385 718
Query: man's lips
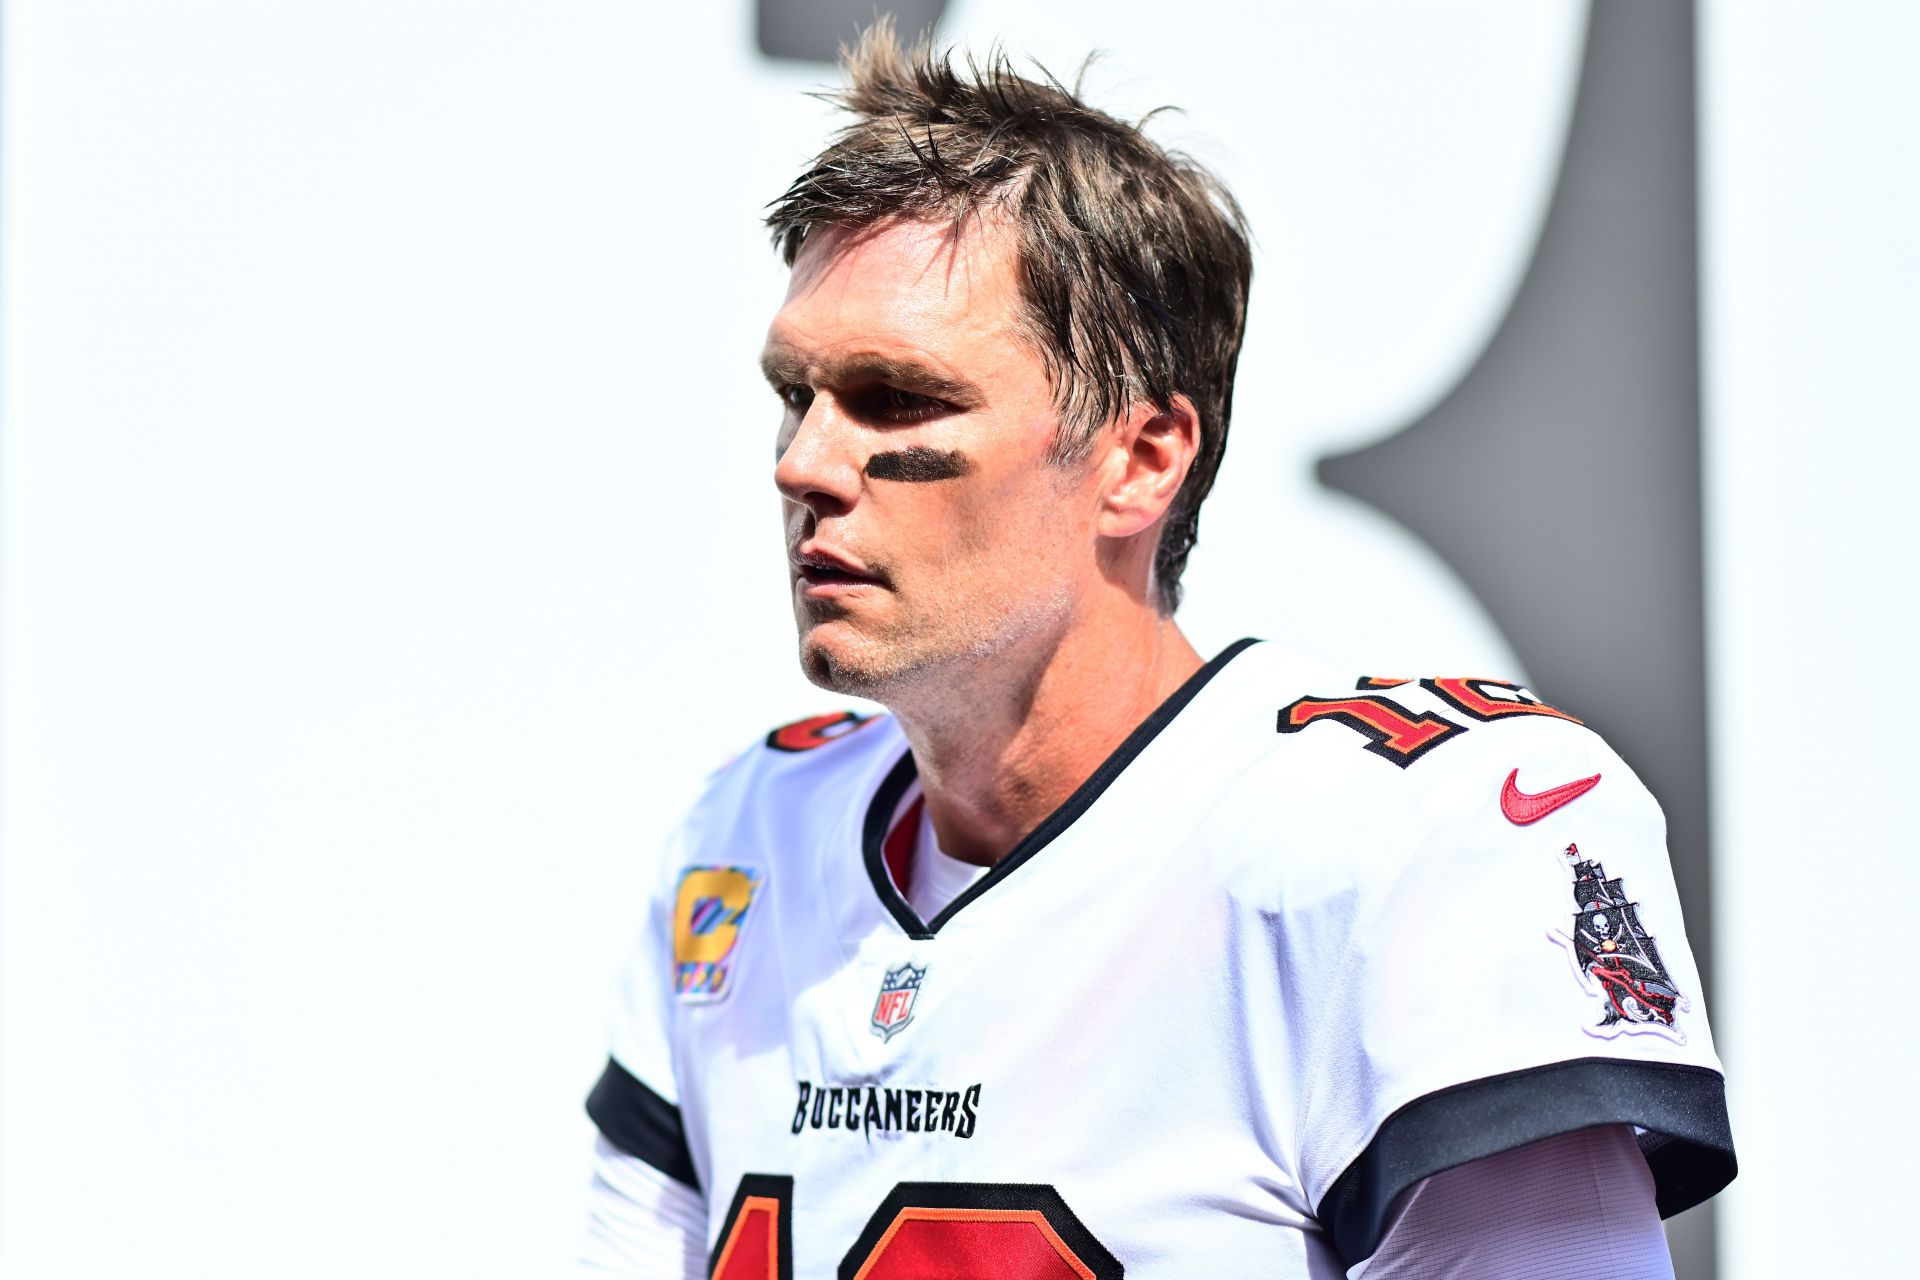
pixel 824 570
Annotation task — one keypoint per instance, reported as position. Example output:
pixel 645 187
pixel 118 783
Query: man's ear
pixel 1148 453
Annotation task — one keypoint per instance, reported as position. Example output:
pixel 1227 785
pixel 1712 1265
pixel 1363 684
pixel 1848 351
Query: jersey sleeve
pixel 1511 966
pixel 636 1103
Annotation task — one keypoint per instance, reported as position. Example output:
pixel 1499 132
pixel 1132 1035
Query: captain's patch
pixel 1615 959
pixel 709 913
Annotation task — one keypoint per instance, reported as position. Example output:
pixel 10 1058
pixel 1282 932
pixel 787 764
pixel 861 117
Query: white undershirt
pixel 641 1223
pixel 937 877
pixel 1578 1205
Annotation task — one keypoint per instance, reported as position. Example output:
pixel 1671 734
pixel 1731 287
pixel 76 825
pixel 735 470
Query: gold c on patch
pixel 709 912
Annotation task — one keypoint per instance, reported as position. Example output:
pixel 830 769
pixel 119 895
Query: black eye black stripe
pixel 919 465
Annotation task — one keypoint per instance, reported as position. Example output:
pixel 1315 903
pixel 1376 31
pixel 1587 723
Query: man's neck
pixel 998 760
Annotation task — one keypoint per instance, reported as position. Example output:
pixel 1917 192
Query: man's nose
pixel 820 467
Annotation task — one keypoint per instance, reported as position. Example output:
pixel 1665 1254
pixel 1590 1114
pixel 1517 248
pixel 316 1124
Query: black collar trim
pixel 880 811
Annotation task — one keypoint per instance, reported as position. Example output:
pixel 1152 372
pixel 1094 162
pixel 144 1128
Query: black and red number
pixel 1470 695
pixel 756 1241
pixel 815 731
pixel 1393 732
pixel 1010 1231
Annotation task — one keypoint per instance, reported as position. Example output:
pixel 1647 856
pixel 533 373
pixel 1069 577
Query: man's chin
pixel 837 656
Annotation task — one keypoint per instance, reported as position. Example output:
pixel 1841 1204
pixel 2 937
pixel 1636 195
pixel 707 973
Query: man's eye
pixel 909 404
pixel 796 397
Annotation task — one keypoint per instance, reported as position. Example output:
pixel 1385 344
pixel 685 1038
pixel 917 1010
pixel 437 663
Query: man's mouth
pixel 825 571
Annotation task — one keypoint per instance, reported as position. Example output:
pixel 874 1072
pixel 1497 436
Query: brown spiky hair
pixel 1134 259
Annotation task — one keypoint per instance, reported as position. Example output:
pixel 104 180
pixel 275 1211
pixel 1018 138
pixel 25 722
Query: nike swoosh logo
pixel 1522 808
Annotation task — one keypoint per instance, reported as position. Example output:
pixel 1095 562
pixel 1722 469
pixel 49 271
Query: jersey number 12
pixel 1011 1231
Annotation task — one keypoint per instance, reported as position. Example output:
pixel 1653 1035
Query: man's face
pixel 926 526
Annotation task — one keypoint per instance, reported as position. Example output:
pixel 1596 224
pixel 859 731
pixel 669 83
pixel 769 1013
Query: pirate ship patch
pixel 1615 959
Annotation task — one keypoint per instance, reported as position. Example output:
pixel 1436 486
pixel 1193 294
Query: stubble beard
pixel 935 657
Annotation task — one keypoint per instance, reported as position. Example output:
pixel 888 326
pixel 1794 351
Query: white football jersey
pixel 1299 943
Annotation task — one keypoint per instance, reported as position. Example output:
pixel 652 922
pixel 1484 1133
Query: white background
pixel 1812 321
pixel 387 548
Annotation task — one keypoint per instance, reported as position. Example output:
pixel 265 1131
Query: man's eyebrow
pixel 782 367
pixel 785 367
pixel 906 373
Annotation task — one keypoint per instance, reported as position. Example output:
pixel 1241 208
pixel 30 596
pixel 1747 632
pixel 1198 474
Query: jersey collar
pixel 885 804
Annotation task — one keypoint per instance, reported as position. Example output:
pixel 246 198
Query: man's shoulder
pixel 1354 759
pixel 1397 732
pixel 798 775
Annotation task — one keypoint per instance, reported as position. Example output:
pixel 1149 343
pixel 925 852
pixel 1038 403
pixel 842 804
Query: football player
pixel 1095 956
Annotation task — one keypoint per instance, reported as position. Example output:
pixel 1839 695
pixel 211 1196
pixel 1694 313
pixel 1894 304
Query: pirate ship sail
pixel 1614 948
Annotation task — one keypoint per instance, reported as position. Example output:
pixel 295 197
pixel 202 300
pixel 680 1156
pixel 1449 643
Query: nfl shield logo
pixel 894 1009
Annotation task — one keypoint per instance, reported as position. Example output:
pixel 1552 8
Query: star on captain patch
pixel 893 1010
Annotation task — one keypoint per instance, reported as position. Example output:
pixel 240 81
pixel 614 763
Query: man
pixel 1094 957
